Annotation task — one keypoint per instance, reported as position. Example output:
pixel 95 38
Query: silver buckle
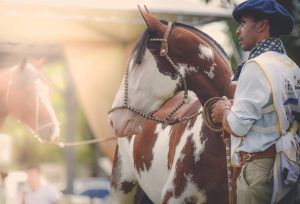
pixel 247 157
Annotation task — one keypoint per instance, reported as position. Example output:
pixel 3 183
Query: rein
pixel 167 120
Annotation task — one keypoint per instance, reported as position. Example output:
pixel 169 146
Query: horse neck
pixel 217 86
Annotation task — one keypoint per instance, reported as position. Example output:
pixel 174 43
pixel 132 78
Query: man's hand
pixel 218 108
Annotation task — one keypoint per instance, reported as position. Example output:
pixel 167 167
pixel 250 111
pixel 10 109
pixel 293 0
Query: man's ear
pixel 263 25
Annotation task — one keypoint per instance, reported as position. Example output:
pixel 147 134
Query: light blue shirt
pixel 252 95
pixel 45 194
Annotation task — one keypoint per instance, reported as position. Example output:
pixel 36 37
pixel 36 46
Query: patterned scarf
pixel 271 44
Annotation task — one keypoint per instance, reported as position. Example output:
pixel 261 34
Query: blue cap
pixel 281 21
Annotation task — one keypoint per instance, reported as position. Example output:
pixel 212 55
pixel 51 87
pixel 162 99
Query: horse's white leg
pixel 124 185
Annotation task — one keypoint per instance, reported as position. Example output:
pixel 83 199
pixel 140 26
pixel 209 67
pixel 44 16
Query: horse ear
pixel 153 23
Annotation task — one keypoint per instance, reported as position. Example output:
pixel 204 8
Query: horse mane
pixel 141 45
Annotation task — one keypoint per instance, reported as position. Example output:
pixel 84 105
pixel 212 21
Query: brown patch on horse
pixel 144 142
pixel 183 168
pixel 208 177
pixel 178 129
pixel 127 186
pixel 143 145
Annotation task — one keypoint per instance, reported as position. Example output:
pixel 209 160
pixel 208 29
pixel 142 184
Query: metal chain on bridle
pixel 167 120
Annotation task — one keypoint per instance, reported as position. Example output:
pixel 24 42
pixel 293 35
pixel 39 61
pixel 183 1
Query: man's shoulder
pixel 270 56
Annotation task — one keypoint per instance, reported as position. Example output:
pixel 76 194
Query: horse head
pixel 26 97
pixel 168 58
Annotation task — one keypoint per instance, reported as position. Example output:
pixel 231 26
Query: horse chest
pixel 164 159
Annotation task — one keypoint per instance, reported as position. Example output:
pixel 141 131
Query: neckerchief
pixel 271 44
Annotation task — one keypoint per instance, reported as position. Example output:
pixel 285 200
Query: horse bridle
pixel 36 129
pixel 163 53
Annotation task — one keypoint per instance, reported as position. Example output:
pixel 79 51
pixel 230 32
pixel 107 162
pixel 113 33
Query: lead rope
pixel 228 164
pixel 218 128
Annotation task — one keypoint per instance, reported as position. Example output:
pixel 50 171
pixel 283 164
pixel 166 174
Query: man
pixel 37 191
pixel 266 98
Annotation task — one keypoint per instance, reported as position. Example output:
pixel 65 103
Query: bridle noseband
pixel 163 53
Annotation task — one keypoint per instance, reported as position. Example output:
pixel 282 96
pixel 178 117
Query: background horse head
pixel 24 94
pixel 192 60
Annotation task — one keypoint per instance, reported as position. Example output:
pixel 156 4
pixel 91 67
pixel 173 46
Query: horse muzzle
pixel 125 123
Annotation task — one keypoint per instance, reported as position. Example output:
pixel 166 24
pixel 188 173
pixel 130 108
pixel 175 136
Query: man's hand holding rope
pixel 219 113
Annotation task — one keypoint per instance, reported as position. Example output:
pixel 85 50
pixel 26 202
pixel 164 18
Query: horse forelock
pixel 141 45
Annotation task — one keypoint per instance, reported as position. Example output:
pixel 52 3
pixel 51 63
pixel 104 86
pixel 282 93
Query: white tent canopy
pixel 53 21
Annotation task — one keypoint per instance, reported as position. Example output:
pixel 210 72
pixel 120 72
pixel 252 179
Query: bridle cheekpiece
pixel 163 53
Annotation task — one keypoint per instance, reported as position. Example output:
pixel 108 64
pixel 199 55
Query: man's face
pixel 247 33
pixel 33 176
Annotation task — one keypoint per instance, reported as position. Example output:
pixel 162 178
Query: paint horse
pixel 24 94
pixel 173 161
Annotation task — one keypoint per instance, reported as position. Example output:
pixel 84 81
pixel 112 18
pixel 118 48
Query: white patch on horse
pixel 186 69
pixel 211 73
pixel 147 87
pixel 183 69
pixel 191 193
pixel 125 170
pixel 205 52
pixel 158 172
pixel 189 132
pixel 126 159
pixel 199 143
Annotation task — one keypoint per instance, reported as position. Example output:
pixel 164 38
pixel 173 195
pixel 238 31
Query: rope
pixel 218 128
pixel 85 142
pixel 206 115
pixel 229 172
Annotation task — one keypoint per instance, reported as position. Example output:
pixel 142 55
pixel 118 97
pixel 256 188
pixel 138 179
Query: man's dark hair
pixel 259 16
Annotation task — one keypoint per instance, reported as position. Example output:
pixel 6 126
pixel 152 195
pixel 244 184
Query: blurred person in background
pixel 38 191
pixel 2 187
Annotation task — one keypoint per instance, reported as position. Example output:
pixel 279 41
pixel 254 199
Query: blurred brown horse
pixel 24 94
pixel 173 164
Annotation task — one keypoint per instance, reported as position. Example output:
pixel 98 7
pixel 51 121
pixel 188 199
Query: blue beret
pixel 279 18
